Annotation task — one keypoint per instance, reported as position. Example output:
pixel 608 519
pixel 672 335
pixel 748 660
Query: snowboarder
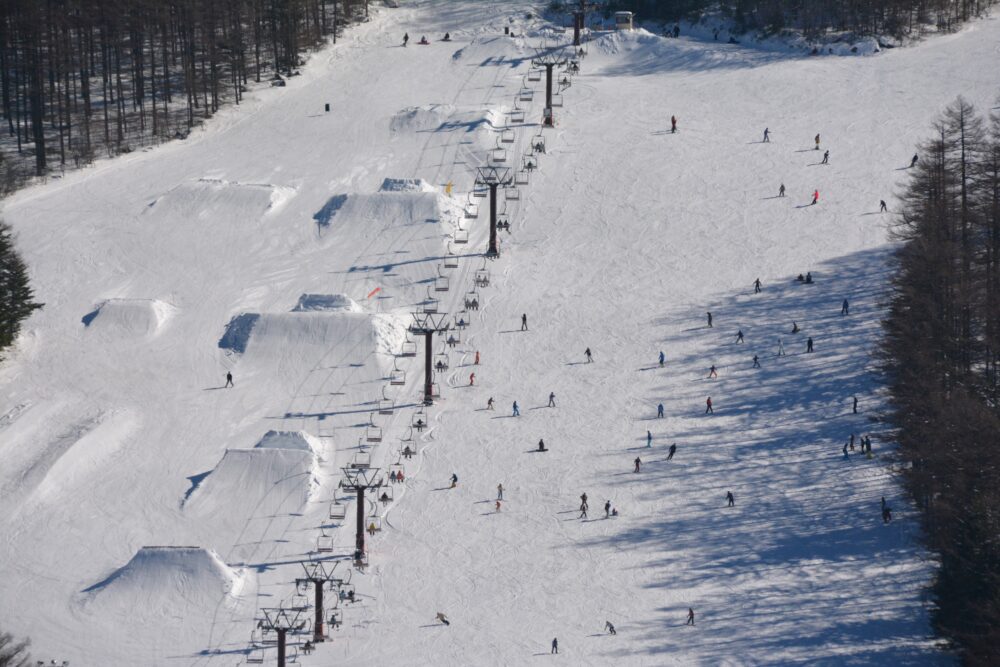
pixel 229 379
pixel 524 322
pixel 609 626
pixel 649 439
pixel 498 505
pixel 712 373
pixel 709 320
pixel 552 399
pixel 590 357
pixel 730 499
pixel 886 515
pixel 708 406
pixel 739 336
pixel 442 618
pixel 541 445
pixel 659 411
pixel 472 379
pixel 756 286
pixel 845 451
pixel 673 450
pixel 690 620
pixel 447 37
pixel 406 38
pixel 638 462
pixel 817 142
pixel 756 363
pixel 781 190
pixel 607 509
pixel 795 327
pixel 767 134
pixel 673 124
pixel 815 197
pixel 500 491
pixel 826 158
pixel 555 645
pixel 845 308
pixel 882 208
pixel 423 40
pixel 913 162
pixel 477 358
pixel 517 411
pixel 781 348
pixel 809 344
pixel 662 358
pixel 854 407
pixel 454 480
pixel 489 403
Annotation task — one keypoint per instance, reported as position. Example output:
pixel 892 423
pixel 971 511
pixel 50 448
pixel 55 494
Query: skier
pixel 712 373
pixel 583 500
pixel 756 363
pixel 649 439
pixel 524 322
pixel 555 645
pixel 817 142
pixel 767 136
pixel 809 275
pixel 583 511
pixel 673 450
pixel 477 358
pixel 609 626
pixel 781 190
pixel 659 411
pixel 690 620
pixel 229 379
pixel 730 498
pixel 851 444
pixel 517 411
pixel 541 445
pixel 708 406
pixel 472 379
pixel 756 286
pixel 552 399
pixel 498 505
pixel 454 480
pixel 447 37
pixel 441 618
pixel 845 308
pixel 886 515
pixel 406 38
pixel 489 403
pixel 637 462
pixel 781 348
pixel 826 158
pixel 739 336
pixel 677 30
pixel 500 491
pixel 709 320
pixel 795 327
pixel 662 358
pixel 423 40
pixel 913 162
pixel 881 206
pixel 673 124
pixel 845 451
pixel 854 407
pixel 815 197
pixel 809 345
pixel 590 357
pixel 607 509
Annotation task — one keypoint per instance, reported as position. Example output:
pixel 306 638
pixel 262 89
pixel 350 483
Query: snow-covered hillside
pixel 149 512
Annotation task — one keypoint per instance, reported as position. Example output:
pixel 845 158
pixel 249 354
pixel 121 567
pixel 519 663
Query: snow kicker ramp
pixel 128 318
pixel 213 199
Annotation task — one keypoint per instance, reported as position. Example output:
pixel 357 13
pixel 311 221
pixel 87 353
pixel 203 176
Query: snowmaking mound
pixel 421 119
pixel 368 215
pixel 303 334
pixel 213 199
pixel 294 440
pixel 265 481
pixel 130 318
pixel 326 302
pixel 168 580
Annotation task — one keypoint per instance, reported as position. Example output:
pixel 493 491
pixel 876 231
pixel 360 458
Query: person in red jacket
pixel 708 406
pixel 815 196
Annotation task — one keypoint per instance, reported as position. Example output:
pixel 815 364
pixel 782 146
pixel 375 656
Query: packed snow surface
pixel 290 247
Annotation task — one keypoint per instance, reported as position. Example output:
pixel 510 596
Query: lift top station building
pixel 623 20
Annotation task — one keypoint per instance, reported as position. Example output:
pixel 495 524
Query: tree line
pixel 894 18
pixel 16 297
pixel 81 77
pixel 941 353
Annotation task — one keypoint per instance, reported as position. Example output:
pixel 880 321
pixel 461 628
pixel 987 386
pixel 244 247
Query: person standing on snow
pixel 809 345
pixel 781 348
pixel 472 379
pixel 781 190
pixel 524 322
pixel 498 505
pixel 662 358
pixel 690 620
pixel 673 124
pixel 477 358
pixel 708 406
pixel 709 320
pixel 712 372
pixel 637 462
pixel 882 208
pixel 607 509
pixel 815 197
pixel 739 336
pixel 767 136
pixel 913 162
pixel 673 450
pixel 845 308
pixel 854 408
pixel 489 403
pixel 229 379
pixel 659 411
pixel 517 411
pixel 552 399
pixel 609 626
pixel 541 445
pixel 406 38
pixel 756 363
pixel 442 618
pixel 555 645
pixel 454 480
pixel 500 491
pixel 756 286
pixel 590 357
pixel 826 158
pixel 730 498
pixel 817 142
pixel 649 439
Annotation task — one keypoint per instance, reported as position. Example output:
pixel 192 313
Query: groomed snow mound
pixel 295 440
pixel 326 302
pixel 422 118
pixel 214 199
pixel 303 335
pixel 128 317
pixel 400 203
pixel 159 578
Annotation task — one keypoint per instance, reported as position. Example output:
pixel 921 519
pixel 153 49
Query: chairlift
pixel 338 511
pixel 373 520
pixel 538 142
pixel 441 284
pixel 361 461
pixel 480 191
pixel 535 75
pixel 408 348
pixel 373 433
pixel 256 656
pixel 557 99
pixel 324 543
pixel 511 194
pixel 521 177
pixel 397 468
pixel 397 377
pixel 507 136
pixel 517 115
pixel 482 278
pixel 526 94
pixel 472 300
pixel 430 304
pixel 498 154
pixel 385 404
pixel 454 337
pixel 268 636
pixel 419 420
pixel 299 602
pixel 292 652
pixel 472 210
pixel 435 390
pixel 461 236
pixel 385 495
pixel 565 82
pixel 451 259
pixel 336 619
pixel 441 362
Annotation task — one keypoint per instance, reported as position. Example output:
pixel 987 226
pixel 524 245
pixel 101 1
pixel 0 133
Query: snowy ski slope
pixel 149 512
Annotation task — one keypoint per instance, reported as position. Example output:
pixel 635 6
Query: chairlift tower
pixel 360 480
pixel 280 621
pixel 317 575
pixel 549 61
pixel 426 325
pixel 580 19
pixel 493 177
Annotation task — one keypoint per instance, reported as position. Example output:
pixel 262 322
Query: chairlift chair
pixel 361 461
pixel 299 602
pixel 511 194
pixel 480 191
pixel 521 177
pixel 482 278
pixel 397 468
pixel 451 261
pixel 338 511
pixel 430 304
pixel 498 154
pixel 324 543
pixel 461 236
pixel 397 377
pixel 441 284
pixel 538 141
pixel 419 420
pixel 472 300
pixel 441 362
pixel 516 115
pixel 535 74
pixel 454 337
pixel 268 636
pixel 435 390
pixel 472 210
pixel 408 348
pixel 526 94
pixel 507 136
pixel 373 520
pixel 256 656
pixel 385 495
pixel 385 404
pixel 557 99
